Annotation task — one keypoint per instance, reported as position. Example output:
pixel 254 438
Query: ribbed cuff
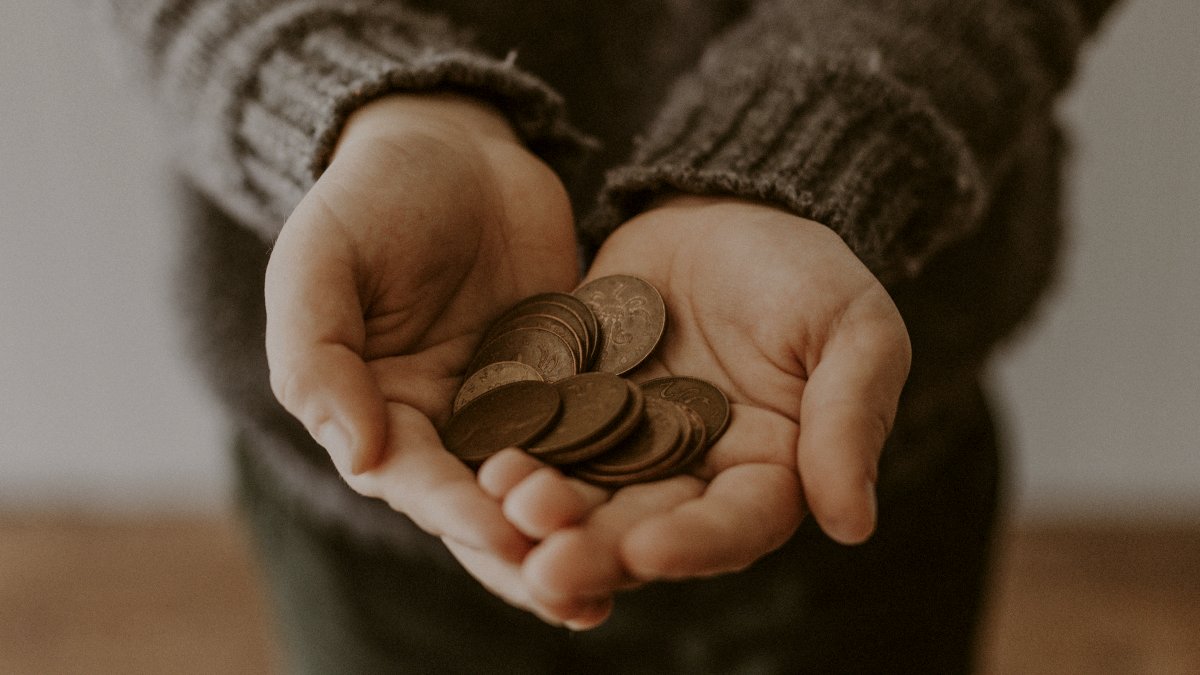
pixel 322 68
pixel 836 143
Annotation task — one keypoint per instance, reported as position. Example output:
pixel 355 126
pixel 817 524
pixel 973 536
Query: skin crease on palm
pixel 810 350
pixel 416 236
pixel 378 291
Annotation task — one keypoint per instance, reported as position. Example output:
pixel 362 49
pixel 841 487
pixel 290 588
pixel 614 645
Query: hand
pixel 777 312
pixel 431 219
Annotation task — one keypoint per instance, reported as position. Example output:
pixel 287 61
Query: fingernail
pixel 336 442
pixel 580 625
pixel 868 528
pixel 855 529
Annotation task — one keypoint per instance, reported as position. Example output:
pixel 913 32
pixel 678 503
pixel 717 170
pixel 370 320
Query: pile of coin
pixel 547 379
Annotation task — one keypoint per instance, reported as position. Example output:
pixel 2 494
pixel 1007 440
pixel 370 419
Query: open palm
pixel 776 311
pixel 431 219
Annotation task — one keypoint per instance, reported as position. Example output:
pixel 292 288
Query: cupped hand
pixel 778 312
pixel 431 219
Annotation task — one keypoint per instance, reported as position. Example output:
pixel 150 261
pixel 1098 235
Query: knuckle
pixel 293 386
pixel 880 422
pixel 286 385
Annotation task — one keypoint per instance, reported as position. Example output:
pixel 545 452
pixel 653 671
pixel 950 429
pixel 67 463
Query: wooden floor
pixel 87 596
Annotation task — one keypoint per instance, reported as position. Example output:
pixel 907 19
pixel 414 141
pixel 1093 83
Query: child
pixel 828 195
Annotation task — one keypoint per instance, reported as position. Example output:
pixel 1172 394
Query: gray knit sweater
pixel 921 131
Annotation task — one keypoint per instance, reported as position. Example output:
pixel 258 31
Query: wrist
pixel 718 208
pixel 434 112
pixel 683 219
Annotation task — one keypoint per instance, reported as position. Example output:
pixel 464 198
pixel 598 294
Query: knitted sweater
pixel 921 131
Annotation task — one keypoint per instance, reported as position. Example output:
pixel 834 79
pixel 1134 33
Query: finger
pixel 591 614
pixel 584 562
pixel 746 512
pixel 536 498
pixel 314 343
pixel 575 613
pixel 500 577
pixel 504 470
pixel 846 415
pixel 419 478
pixel 503 579
pixel 546 501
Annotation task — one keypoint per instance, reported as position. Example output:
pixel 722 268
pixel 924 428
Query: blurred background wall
pixel 99 410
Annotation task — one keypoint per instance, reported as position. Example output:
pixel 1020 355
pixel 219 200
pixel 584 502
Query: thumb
pixel 315 337
pixel 846 414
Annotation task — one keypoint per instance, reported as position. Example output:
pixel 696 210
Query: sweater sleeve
pixel 889 121
pixel 257 91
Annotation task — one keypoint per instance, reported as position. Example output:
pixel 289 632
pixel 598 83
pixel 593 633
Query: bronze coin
pixel 537 347
pixel 657 437
pixel 704 397
pixel 491 376
pixel 699 449
pixel 620 429
pixel 632 318
pixel 693 435
pixel 510 415
pixel 591 325
pixel 690 446
pixel 690 450
pixel 592 403
pixel 553 324
pixel 562 306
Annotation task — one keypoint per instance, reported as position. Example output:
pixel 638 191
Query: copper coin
pixel 592 403
pixel 563 306
pixel 658 436
pixel 510 415
pixel 690 450
pixel 699 450
pixel 632 318
pixel 704 397
pixel 620 429
pixel 553 324
pixel 491 376
pixel 537 347
pixel 667 465
pixel 690 446
pixel 591 326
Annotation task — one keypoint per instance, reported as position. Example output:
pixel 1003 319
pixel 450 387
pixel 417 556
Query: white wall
pixel 98 409
pixel 1104 392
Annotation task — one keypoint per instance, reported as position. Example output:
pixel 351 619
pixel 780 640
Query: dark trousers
pixel 908 601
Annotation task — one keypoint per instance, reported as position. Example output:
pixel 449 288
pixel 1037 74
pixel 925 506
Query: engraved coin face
pixel 592 403
pixel 632 318
pixel 553 324
pixel 491 376
pixel 701 396
pixel 534 347
pixel 511 415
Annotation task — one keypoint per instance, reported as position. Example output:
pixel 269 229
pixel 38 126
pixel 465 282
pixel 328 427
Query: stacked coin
pixel 546 378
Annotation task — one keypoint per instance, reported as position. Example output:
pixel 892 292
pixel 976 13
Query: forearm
pixel 257 93
pixel 888 121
